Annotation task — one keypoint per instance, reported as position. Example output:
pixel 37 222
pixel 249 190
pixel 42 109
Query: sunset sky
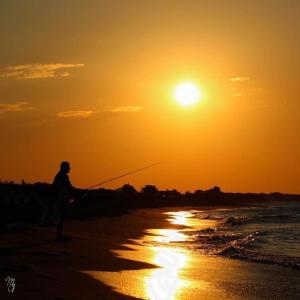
pixel 93 82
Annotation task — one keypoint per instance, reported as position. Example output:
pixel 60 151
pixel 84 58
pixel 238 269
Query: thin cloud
pixel 14 107
pixel 126 109
pixel 238 95
pixel 239 86
pixel 75 114
pixel 239 79
pixel 36 71
pixel 82 114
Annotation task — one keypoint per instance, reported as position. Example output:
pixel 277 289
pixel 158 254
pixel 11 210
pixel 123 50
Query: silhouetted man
pixel 63 191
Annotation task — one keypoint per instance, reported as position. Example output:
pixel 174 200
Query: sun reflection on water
pixel 167 235
pixel 179 217
pixel 164 282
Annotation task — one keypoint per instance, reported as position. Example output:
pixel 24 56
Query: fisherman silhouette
pixel 63 190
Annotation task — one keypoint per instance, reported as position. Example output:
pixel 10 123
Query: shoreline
pixel 106 253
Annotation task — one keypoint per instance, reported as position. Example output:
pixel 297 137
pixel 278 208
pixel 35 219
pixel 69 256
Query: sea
pixel 249 252
pixel 263 233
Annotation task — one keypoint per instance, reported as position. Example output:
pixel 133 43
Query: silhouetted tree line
pixel 24 203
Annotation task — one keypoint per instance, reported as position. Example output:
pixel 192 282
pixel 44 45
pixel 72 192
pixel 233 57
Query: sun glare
pixel 187 94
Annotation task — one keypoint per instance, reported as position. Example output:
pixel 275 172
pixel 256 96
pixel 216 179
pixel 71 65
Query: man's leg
pixel 61 208
pixel 60 224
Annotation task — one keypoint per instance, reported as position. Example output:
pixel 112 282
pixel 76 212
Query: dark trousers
pixel 62 210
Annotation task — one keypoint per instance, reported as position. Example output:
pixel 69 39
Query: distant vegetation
pixel 25 203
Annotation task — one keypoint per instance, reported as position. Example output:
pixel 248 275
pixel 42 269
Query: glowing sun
pixel 187 94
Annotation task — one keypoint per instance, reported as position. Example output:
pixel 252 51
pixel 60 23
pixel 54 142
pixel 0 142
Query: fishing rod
pixel 114 178
pixel 123 175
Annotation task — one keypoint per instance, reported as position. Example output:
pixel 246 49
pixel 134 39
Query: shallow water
pixel 191 263
pixel 268 234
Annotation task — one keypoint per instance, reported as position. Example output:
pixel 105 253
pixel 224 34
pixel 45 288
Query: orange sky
pixel 93 82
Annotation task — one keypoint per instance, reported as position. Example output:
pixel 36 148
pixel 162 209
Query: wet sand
pixel 117 258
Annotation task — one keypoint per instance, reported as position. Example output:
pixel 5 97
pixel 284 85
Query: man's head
pixel 65 167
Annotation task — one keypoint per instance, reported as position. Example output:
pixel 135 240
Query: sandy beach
pixel 128 257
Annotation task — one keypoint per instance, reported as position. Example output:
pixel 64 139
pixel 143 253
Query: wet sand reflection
pixel 164 282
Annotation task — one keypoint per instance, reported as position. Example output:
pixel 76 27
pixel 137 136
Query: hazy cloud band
pixel 89 113
pixel 13 107
pixel 36 71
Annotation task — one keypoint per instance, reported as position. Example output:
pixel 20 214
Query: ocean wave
pixel 209 217
pixel 227 220
pixel 248 217
pixel 233 221
pixel 237 252
pixel 238 245
pixel 213 240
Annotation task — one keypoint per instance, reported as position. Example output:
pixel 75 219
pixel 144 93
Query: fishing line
pixel 123 175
